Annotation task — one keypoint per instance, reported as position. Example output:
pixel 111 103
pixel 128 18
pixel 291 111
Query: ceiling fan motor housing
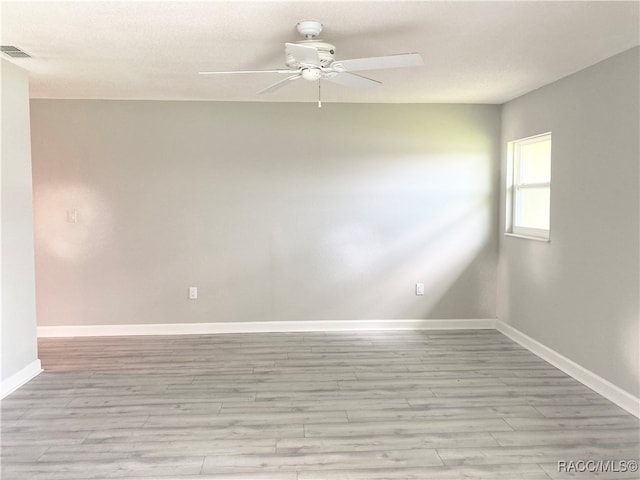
pixel 326 52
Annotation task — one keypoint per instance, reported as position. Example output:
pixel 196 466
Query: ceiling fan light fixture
pixel 311 74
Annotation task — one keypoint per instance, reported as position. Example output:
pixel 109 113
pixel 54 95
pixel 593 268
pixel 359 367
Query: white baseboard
pixel 262 327
pixel 19 378
pixel 595 382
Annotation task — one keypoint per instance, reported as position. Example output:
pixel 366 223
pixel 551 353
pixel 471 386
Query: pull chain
pixel 319 94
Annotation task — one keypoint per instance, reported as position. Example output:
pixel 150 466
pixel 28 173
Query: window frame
pixel 514 185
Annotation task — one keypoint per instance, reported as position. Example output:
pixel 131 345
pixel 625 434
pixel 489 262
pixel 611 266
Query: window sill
pixel 526 237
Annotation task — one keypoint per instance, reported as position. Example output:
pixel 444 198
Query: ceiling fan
pixel 313 59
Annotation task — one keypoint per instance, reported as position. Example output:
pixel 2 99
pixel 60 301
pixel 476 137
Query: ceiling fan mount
pixel 309 28
pixel 313 59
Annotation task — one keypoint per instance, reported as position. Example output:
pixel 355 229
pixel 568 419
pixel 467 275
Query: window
pixel 529 187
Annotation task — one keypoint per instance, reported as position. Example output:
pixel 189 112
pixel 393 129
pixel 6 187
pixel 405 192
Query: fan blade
pixel 353 80
pixel 376 63
pixel 249 71
pixel 303 54
pixel 280 84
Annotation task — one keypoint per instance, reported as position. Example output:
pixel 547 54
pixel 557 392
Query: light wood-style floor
pixel 301 406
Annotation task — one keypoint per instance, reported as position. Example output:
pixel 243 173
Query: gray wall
pixel 579 293
pixel 19 348
pixel 275 211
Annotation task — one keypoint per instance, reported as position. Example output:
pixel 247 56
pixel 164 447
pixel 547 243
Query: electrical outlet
pixel 419 288
pixel 193 293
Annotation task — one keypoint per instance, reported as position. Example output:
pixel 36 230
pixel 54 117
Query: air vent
pixel 14 52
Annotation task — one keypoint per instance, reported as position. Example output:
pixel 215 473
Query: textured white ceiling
pixel 474 52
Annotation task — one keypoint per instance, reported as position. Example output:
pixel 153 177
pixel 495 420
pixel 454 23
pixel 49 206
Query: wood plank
pixel 300 406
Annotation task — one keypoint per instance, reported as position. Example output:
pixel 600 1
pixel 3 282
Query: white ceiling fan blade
pixel 249 71
pixel 376 63
pixel 280 84
pixel 353 80
pixel 303 54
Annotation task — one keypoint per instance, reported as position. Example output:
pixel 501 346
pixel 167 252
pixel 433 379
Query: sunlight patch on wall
pixel 441 257
pixel 446 223
pixel 357 247
pixel 424 220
